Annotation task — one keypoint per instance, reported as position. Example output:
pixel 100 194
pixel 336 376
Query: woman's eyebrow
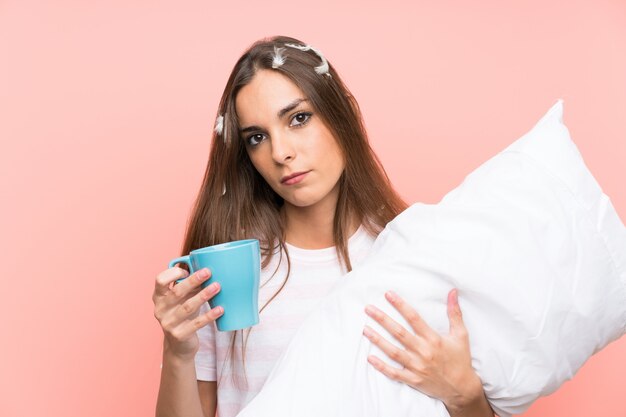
pixel 290 107
pixel 280 114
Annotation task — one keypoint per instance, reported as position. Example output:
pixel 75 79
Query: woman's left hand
pixel 437 365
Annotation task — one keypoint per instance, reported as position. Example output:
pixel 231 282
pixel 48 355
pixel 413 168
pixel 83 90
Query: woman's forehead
pixel 267 95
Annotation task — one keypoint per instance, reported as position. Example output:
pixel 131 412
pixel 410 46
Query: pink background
pixel 106 109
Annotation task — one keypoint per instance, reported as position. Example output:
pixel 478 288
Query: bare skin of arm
pixel 476 407
pixel 179 392
pixel 208 397
pixel 176 309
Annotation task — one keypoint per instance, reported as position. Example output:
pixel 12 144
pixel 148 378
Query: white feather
pixel 320 69
pixel 219 124
pixel 278 59
pixel 323 68
pixel 300 47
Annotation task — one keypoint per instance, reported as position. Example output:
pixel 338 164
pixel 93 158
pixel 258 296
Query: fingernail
pixel 391 296
pixel 367 332
pixel 371 310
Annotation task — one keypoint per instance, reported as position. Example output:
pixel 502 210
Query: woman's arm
pixel 176 307
pixel 178 391
pixel 476 406
pixel 208 397
pixel 437 365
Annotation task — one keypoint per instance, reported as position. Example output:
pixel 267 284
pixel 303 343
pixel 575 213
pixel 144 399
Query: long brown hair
pixel 235 202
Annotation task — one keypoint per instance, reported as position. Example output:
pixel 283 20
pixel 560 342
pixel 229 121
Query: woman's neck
pixel 312 227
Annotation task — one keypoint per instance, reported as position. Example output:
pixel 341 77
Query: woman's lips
pixel 296 179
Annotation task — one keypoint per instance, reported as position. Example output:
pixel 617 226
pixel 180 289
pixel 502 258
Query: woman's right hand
pixel 176 308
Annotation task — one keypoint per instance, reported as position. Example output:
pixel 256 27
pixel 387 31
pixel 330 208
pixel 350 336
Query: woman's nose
pixel 282 148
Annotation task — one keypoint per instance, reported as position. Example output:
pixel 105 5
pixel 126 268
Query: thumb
pixel 457 327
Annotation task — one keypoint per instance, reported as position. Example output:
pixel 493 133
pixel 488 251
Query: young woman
pixel 290 165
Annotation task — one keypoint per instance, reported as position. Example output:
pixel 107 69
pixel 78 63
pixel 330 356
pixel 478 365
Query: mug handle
pixel 181 260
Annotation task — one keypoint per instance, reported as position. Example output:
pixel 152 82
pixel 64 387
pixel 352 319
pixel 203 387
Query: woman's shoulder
pixel 360 244
pixel 361 239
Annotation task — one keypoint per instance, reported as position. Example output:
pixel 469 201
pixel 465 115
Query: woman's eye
pixel 255 139
pixel 303 118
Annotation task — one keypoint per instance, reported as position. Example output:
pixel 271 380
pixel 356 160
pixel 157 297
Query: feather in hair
pixel 219 124
pixel 278 59
pixel 320 69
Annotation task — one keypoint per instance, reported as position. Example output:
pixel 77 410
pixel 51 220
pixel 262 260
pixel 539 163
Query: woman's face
pixel 285 136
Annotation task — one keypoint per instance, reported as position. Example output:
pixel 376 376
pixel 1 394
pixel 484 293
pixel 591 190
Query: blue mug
pixel 237 267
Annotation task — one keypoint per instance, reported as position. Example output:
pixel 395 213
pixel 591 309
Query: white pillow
pixel 539 256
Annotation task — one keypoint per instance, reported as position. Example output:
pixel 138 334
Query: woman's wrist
pixel 470 402
pixel 175 356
